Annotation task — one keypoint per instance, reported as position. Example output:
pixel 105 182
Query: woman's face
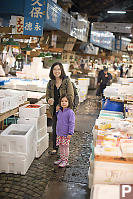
pixel 57 71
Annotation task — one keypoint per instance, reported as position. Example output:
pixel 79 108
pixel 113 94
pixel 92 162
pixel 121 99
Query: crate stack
pixel 111 161
pixel 36 114
pixel 17 148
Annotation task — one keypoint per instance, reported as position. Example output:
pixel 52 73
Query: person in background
pixel 82 64
pixel 115 74
pixel 100 73
pixel 64 129
pixel 129 72
pixel 2 72
pixel 121 70
pixel 103 81
pixel 57 86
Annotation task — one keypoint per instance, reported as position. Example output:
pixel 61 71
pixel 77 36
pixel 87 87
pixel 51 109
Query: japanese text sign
pixel 34 13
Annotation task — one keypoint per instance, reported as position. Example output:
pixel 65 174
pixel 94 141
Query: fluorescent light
pixel 116 12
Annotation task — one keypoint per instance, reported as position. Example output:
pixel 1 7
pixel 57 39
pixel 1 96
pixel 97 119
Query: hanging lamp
pixel 48 55
pixel 19 56
pixel 42 54
pixel 27 48
pixel 10 42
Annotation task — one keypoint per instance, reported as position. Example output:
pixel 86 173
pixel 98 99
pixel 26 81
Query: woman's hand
pixel 69 136
pixel 57 108
pixel 51 101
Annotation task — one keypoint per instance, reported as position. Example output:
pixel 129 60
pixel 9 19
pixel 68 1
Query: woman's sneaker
pixel 57 162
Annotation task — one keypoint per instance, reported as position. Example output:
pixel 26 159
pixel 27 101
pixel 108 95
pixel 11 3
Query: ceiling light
pixel 116 12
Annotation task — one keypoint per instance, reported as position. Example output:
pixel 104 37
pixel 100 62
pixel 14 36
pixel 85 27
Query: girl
pixel 58 85
pixel 64 129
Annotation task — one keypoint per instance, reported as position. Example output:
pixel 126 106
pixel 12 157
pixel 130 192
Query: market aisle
pixel 43 180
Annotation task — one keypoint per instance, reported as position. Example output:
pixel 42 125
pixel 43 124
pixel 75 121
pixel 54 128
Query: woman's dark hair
pixel 68 98
pixel 63 74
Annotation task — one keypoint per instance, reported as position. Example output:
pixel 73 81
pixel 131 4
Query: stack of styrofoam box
pixel 38 117
pixel 83 88
pixel 17 148
pixel 104 191
pixel 10 99
pixel 112 173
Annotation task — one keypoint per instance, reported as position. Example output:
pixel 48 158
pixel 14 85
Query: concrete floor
pixel 46 181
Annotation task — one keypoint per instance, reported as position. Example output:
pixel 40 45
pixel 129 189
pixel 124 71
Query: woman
pixel 59 85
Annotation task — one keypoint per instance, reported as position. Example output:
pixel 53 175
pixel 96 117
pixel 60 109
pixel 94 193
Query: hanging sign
pixel 73 27
pixel 112 27
pixel 102 39
pixel 53 16
pixel 34 13
pixel 83 29
pixel 19 24
pixel 65 22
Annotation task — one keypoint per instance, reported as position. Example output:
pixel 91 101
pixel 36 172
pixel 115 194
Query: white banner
pixel 83 29
pixel 89 48
pixel 112 27
pixel 130 47
pixel 18 24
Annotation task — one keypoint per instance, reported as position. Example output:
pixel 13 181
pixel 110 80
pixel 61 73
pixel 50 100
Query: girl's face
pixel 57 71
pixel 64 102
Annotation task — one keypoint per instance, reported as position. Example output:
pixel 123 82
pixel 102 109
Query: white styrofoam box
pixel 107 151
pixel 101 191
pixel 4 104
pixel 112 112
pixel 83 81
pixel 113 123
pixel 90 177
pixel 126 147
pixel 41 88
pixel 14 163
pixel 112 173
pixel 32 112
pixel 21 86
pixel 42 145
pixel 18 138
pixel 41 133
pixel 36 95
pixel 39 122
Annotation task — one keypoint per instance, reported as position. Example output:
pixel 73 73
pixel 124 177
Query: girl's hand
pixel 51 101
pixel 69 136
pixel 57 108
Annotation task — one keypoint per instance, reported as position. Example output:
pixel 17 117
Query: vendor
pixel 2 73
pixel 104 80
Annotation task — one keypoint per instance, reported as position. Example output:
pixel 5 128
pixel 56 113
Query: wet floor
pixel 46 181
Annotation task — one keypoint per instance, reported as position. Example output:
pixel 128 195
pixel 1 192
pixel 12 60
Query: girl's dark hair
pixel 63 74
pixel 68 98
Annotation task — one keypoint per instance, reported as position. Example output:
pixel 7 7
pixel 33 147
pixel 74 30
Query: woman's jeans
pixel 54 120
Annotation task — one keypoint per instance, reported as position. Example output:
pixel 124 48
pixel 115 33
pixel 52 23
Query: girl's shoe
pixel 57 162
pixel 63 164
